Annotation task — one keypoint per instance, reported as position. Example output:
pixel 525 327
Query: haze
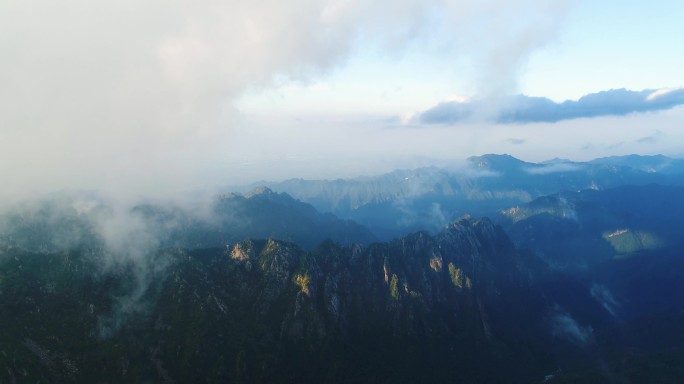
pixel 158 98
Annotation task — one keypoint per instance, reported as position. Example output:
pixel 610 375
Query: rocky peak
pixel 261 190
pixel 243 251
pixel 498 163
pixel 278 300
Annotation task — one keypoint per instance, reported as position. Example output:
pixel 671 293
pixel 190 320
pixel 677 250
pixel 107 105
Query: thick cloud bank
pixel 526 109
pixel 137 97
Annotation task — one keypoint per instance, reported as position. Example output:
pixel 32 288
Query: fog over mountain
pixel 166 98
pixel 139 98
pixel 579 279
pixel 341 191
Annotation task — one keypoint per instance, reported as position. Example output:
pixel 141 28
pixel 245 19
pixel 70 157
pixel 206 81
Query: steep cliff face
pixel 416 308
pixel 351 288
pixel 442 308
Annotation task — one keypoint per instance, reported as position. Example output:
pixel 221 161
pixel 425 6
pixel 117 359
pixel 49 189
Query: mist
pixel 565 327
pixel 137 99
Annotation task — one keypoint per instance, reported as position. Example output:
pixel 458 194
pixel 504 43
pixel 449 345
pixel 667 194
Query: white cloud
pixel 662 93
pixel 554 168
pixel 603 295
pixel 564 326
pixel 136 97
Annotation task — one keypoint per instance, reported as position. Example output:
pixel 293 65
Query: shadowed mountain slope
pixel 463 304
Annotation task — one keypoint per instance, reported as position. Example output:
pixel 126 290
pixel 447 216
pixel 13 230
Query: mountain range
pixel 403 201
pixel 66 222
pixel 575 277
pixel 590 226
pixel 420 308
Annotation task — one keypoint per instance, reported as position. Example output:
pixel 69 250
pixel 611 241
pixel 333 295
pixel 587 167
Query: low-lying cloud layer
pixel 526 109
pixel 564 326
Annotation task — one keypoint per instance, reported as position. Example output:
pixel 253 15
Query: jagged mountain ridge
pixel 429 198
pixel 422 307
pixel 67 222
pixel 418 308
pixel 259 213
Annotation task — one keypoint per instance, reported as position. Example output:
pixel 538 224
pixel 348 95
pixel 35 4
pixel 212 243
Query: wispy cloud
pixel 564 326
pixel 526 109
pixel 605 298
pixel 650 139
pixel 554 168
pixel 515 141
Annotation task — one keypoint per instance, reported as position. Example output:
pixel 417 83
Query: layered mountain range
pixel 67 222
pixel 402 201
pixel 575 278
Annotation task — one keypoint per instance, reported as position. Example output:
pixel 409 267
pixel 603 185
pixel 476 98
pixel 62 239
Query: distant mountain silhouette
pixel 576 278
pixel 402 201
pixel 62 223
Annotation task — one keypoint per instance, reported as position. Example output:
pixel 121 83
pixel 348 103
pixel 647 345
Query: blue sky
pixel 589 48
pixel 610 44
pixel 596 46
pixel 160 96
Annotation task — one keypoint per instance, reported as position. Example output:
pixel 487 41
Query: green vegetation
pixel 394 287
pixel 457 276
pixel 206 318
pixel 302 281
pixel 266 311
pixel 625 241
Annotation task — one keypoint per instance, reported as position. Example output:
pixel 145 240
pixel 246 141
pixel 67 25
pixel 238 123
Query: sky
pixel 162 97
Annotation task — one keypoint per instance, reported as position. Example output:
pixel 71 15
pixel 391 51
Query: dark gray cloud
pixel 526 109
